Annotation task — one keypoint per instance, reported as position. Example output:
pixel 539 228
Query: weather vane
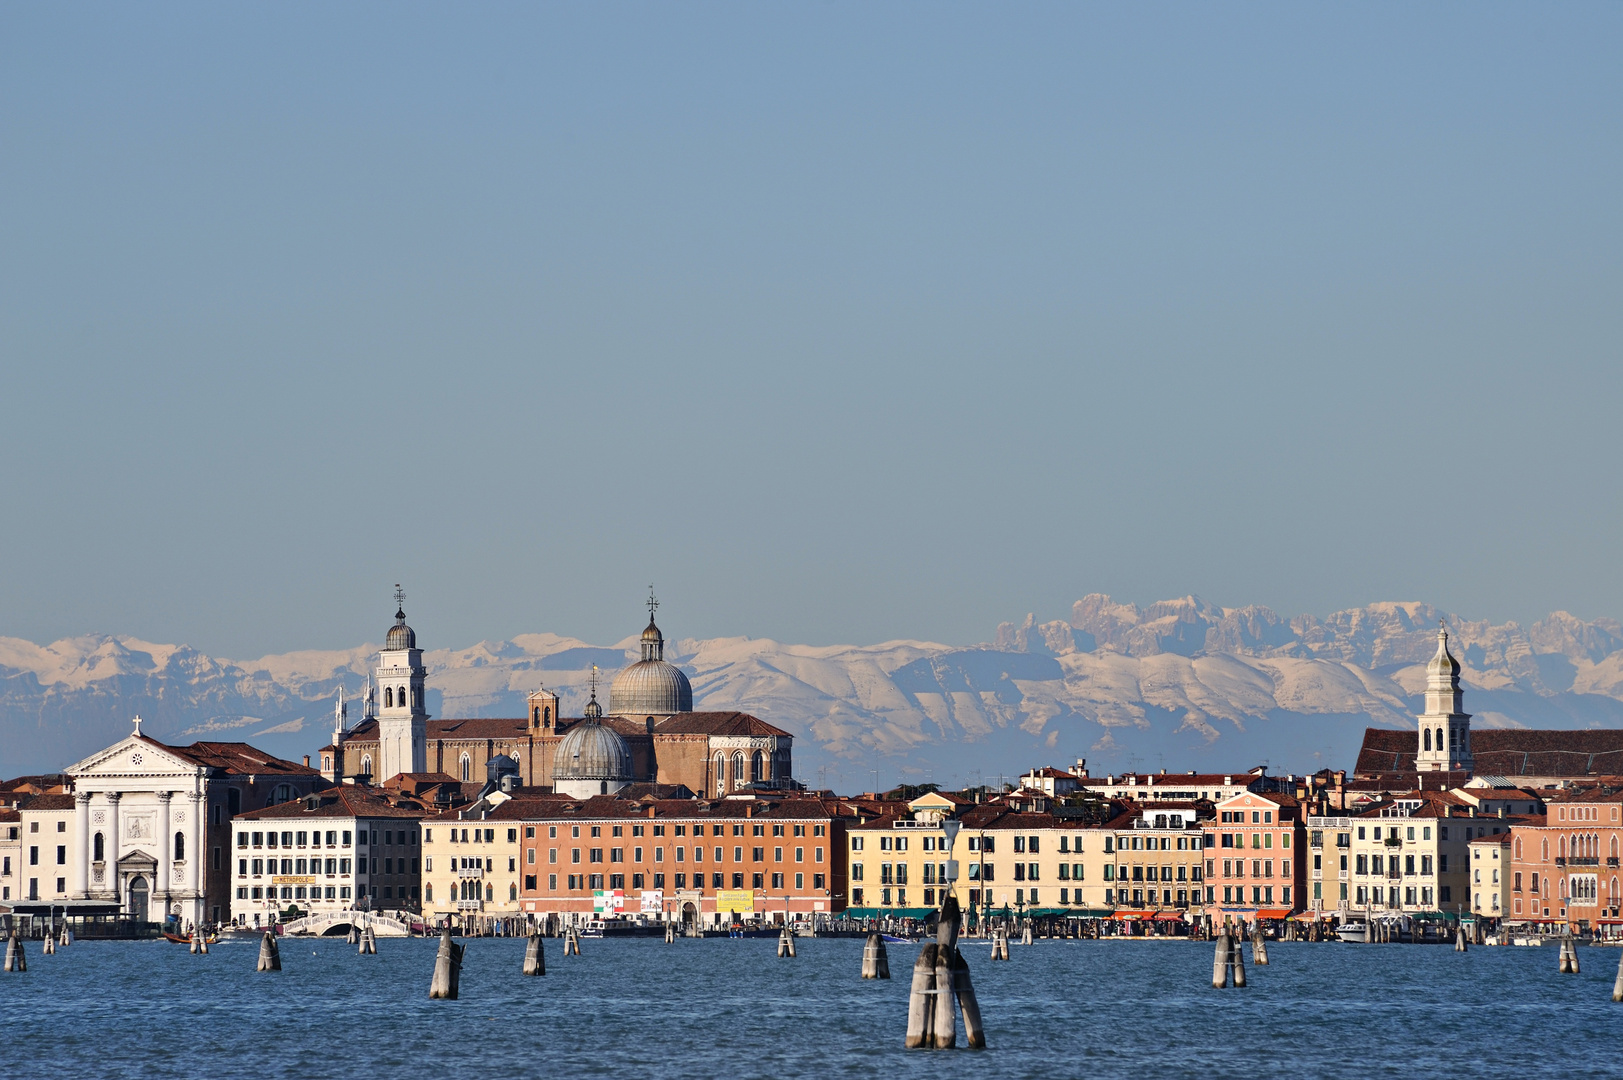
pixel 652 602
pixel 399 597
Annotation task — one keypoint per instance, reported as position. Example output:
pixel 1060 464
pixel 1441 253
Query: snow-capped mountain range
pixel 1179 684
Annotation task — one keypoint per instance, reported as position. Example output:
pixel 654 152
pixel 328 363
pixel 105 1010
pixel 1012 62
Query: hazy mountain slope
pixel 1179 683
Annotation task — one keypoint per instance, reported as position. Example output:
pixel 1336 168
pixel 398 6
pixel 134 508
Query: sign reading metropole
pixel 610 900
pixel 653 902
pixel 739 900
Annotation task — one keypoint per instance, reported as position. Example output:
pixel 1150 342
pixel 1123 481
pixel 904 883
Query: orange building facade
pixel 1255 852
pixel 708 861
pixel 1564 866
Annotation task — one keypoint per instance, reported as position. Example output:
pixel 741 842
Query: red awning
pixel 1168 916
pixel 1274 913
pixel 1127 915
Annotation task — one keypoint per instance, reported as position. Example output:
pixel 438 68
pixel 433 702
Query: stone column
pixel 81 865
pixel 196 868
pixel 113 883
pixel 160 888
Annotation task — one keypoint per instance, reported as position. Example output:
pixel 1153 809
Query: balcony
pixel 470 905
pixel 470 871
pixel 1612 861
pixel 1584 860
pixel 1560 861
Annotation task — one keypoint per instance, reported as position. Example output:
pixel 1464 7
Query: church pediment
pixel 133 756
pixel 137 860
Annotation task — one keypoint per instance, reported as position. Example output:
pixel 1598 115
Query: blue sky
pixel 837 322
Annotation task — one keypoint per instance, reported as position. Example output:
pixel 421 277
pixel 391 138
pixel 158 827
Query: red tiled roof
pixel 346 800
pixel 47 802
pixel 541 807
pixel 1505 752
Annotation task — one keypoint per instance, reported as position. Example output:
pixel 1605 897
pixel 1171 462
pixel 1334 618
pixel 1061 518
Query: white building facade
pixel 150 823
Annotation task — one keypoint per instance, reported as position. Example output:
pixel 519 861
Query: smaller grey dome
pixel 400 636
pixel 591 751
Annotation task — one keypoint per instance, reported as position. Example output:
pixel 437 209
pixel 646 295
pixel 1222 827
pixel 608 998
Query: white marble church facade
pixel 151 823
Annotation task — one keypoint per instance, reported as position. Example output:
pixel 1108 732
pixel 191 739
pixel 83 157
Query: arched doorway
pixel 690 914
pixel 138 898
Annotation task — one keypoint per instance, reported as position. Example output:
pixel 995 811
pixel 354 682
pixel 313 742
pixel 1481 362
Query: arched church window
pixel 388 697
pixel 535 717
pixel 1425 739
pixel 546 713
pixel 366 764
pixel 180 846
pixel 467 767
pixel 283 793
pixel 721 774
pixel 738 769
pixel 757 764
pixel 400 697
pixel 1440 744
pixel 101 848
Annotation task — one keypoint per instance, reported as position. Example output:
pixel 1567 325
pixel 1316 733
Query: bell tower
pixel 403 718
pixel 543 712
pixel 1444 741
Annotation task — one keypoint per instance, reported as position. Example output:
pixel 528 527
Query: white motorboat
pixel 1356 930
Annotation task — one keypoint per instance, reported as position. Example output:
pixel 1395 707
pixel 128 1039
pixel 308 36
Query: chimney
pixel 307 761
pixel 650 811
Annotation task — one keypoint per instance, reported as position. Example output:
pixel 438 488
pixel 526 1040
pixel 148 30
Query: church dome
pixel 652 687
pixel 591 751
pixel 400 636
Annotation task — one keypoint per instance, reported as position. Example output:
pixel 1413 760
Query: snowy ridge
pixel 1178 684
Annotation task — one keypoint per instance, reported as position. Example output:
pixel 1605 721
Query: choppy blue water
pixel 639 1007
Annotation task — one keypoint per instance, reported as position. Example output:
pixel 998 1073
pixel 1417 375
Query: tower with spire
pixel 403 717
pixel 1444 740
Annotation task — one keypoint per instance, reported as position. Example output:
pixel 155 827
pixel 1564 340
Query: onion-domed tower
pixel 651 686
pixel 1445 727
pixel 592 759
pixel 403 719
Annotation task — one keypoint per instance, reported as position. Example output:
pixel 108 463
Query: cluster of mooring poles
pixel 786 942
pixel 535 957
pixel 1228 964
pixel 270 955
pixel 447 968
pixel 1568 958
pixel 1000 944
pixel 875 964
pixel 941 976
